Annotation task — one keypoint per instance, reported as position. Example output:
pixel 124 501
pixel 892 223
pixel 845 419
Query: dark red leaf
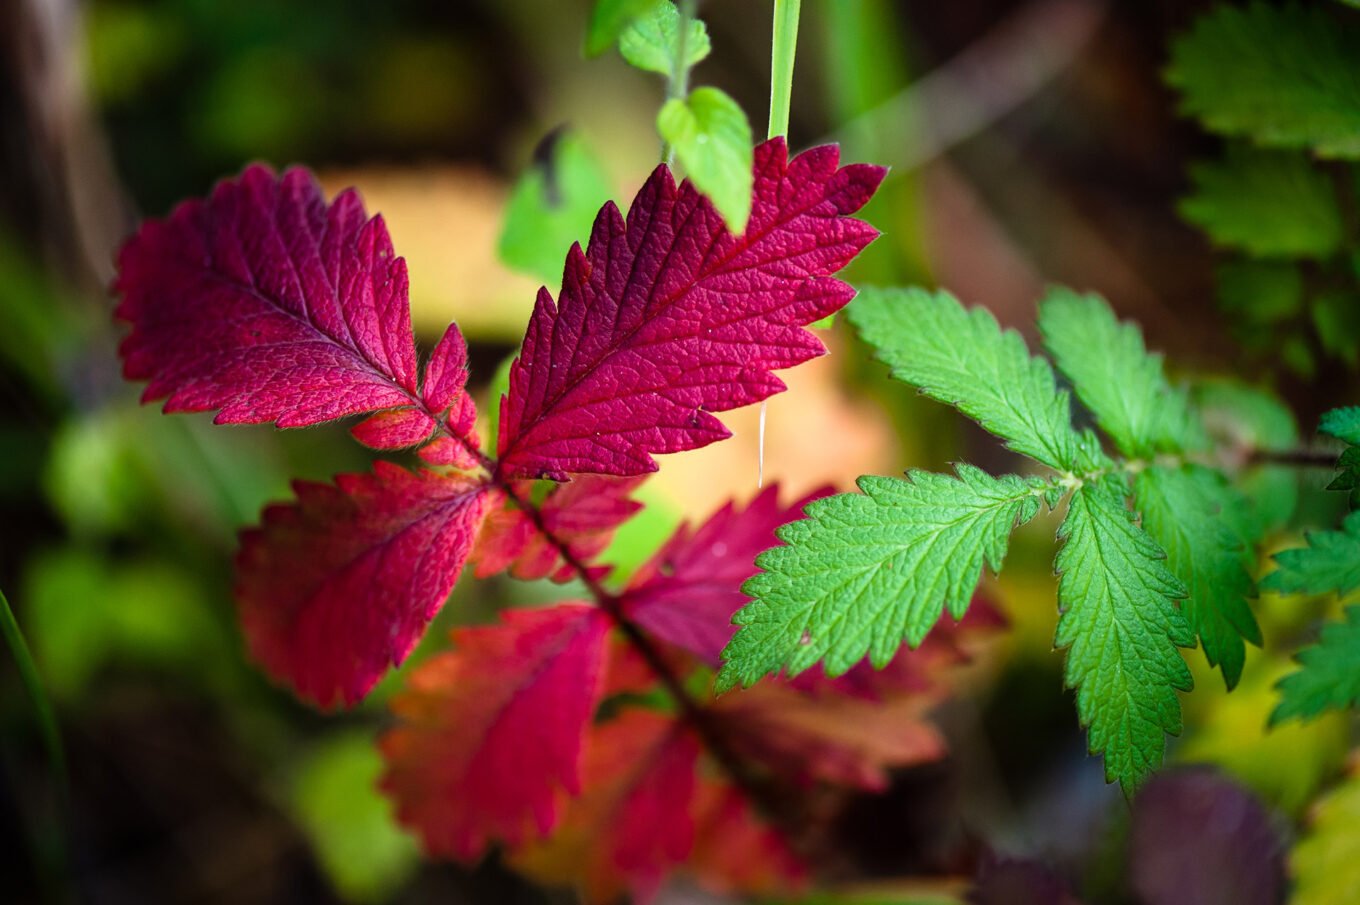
pixel 842 740
pixel 491 734
pixel 582 514
pixel 634 823
pixel 670 317
pixel 338 586
pixel 687 593
pixel 735 851
pixel 267 304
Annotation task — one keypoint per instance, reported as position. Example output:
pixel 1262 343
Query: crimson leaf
pixel 668 317
pixel 491 731
pixel 268 304
pixel 335 588
pixel 686 594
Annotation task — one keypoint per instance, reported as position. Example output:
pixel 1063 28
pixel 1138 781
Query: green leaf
pixel 1260 292
pixel 1329 673
pixel 963 358
pixel 552 205
pixel 1283 75
pixel 1201 523
pixel 1330 562
pixel 1326 864
pixel 608 19
pixel 350 825
pixel 1115 377
pixel 865 571
pixel 1266 203
pixel 1336 321
pixel 712 138
pixel 1119 621
pixel 652 41
pixel 1343 424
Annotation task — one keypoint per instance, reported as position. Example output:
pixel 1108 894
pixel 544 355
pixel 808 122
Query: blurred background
pixel 1031 142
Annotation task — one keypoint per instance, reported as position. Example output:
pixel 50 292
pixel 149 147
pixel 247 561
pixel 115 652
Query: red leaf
pixel 842 740
pixel 267 304
pixel 491 733
pixel 737 852
pixel 335 588
pixel 634 822
pixel 688 592
pixel 669 317
pixel 583 514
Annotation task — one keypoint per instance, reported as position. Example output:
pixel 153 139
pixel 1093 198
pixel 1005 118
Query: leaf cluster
pixel 1279 83
pixel 270 305
pixel 1155 546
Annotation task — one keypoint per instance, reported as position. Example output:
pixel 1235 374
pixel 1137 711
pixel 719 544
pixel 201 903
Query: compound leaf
pixel 1119 621
pixel 863 572
pixel 1114 375
pixel 1198 519
pixel 491 732
pixel 1283 75
pixel 964 359
pixel 670 317
pixel 337 587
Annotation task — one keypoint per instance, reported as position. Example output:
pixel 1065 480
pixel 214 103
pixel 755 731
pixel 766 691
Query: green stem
pixel 677 86
pixel 785 45
pixel 42 708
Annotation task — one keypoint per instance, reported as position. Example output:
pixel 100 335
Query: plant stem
pixel 783 48
pixel 677 85
pixel 32 682
pixel 766 795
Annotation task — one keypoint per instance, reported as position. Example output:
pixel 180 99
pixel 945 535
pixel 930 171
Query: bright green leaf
pixel 652 41
pixel 1121 626
pixel 712 138
pixel 552 205
pixel 1343 424
pixel 1328 677
pixel 1283 75
pixel 963 358
pixel 1325 865
pixel 863 572
pixel 1198 519
pixel 1330 563
pixel 1114 375
pixel 1267 203
pixel 608 19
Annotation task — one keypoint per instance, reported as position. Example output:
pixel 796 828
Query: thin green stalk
pixel 783 47
pixel 52 856
pixel 677 86
pixel 37 695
